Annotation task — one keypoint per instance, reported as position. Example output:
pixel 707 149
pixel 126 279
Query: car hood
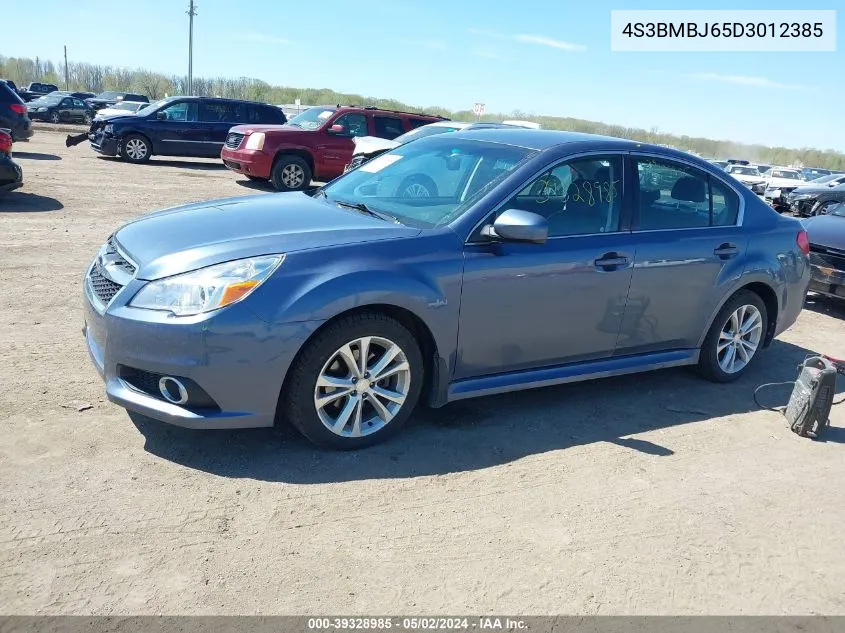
pixel 826 230
pixel 370 144
pixel 193 236
pixel 747 178
pixel 814 189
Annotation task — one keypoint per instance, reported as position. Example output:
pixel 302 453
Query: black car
pixel 68 93
pixel 36 89
pixel 110 97
pixel 827 251
pixel 11 175
pixel 13 115
pixel 178 126
pixel 818 199
pixel 60 108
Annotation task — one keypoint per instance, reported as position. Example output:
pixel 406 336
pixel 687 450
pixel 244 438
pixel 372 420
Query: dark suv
pixel 109 98
pixel 36 89
pixel 315 144
pixel 178 126
pixel 13 115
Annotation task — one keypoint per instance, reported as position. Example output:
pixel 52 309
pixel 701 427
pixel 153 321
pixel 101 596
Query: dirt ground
pixel 651 494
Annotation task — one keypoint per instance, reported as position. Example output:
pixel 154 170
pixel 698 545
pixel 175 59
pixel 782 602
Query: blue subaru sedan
pixel 518 259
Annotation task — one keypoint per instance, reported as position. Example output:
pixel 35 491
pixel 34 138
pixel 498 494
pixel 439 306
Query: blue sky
pixel 544 57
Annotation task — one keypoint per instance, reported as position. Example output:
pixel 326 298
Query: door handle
pixel 726 251
pixel 611 261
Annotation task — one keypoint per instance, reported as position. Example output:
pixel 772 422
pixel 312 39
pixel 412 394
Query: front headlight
pixel 41 110
pixel 108 129
pixel 255 141
pixel 208 288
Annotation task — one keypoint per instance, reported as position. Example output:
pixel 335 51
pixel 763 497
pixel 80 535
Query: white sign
pixel 478 109
pixel 297 102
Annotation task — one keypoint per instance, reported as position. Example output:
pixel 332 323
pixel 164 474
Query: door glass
pixel 388 127
pixel 671 196
pixel 578 197
pixel 355 124
pixel 183 111
pixel 77 103
pixel 217 112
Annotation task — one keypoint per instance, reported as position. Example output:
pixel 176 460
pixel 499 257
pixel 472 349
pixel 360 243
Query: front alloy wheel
pixel 135 149
pixel 355 382
pixel 362 387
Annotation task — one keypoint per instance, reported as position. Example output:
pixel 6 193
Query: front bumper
pixel 249 162
pixel 238 361
pixel 801 208
pixel 103 143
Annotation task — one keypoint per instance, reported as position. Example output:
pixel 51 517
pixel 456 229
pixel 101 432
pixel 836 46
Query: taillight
pixel 803 242
pixel 5 143
pixel 19 108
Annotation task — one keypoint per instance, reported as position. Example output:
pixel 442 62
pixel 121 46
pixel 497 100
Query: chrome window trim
pixel 620 153
pixel 740 216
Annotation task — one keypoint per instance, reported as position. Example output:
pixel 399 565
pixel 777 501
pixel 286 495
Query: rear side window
pixel 217 112
pixel 676 196
pixel 388 127
pixel 252 113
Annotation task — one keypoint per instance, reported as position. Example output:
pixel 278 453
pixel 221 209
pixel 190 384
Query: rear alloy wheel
pixel 734 338
pixel 54 117
pixel 290 173
pixel 356 383
pixel 823 208
pixel 135 148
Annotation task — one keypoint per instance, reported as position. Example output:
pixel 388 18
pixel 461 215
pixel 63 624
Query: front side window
pixel 77 103
pixel 185 111
pixel 429 182
pixel 676 196
pixel 577 197
pixel 354 124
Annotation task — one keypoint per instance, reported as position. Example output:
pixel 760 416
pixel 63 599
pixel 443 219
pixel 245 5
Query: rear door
pixel 216 118
pixel 389 127
pixel 690 247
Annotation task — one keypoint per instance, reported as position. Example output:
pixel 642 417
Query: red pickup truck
pixel 315 144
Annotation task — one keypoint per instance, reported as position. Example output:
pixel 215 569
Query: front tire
pixel 822 208
pixel 55 118
pixel 355 383
pixel 135 149
pixel 87 118
pixel 290 173
pixel 734 339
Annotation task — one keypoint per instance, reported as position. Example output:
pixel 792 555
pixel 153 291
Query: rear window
pixel 7 95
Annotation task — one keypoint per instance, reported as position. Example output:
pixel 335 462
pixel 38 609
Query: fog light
pixel 172 390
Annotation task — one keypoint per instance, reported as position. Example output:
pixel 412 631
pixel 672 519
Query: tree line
pixel 97 78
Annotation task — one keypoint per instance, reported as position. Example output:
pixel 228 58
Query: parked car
pixel 122 108
pixel 763 169
pixel 68 93
pixel 827 251
pixel 316 144
pixel 13 114
pixel 780 181
pixel 339 309
pixel 368 147
pixel 748 176
pixel 11 174
pixel 719 163
pixel 110 97
pixel 817 200
pixel 36 89
pixel 811 173
pixel 737 161
pixel 178 126
pixel 60 108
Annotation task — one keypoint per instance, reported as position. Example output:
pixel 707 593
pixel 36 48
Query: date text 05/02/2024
pixel 417 624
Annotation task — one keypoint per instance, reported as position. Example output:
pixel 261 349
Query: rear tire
pixel 344 405
pixel 290 173
pixel 822 208
pixel 135 149
pixel 737 334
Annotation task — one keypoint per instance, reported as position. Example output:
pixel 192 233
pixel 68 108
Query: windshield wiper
pixel 363 208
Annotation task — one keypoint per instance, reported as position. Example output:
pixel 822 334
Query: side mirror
pixel 161 116
pixel 337 129
pixel 517 225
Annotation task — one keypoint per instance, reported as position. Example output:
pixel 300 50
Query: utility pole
pixel 192 11
pixel 67 83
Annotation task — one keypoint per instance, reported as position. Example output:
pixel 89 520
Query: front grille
pixel 102 287
pixel 121 261
pixel 233 141
pixel 830 257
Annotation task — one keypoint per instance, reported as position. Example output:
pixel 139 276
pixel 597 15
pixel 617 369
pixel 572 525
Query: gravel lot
pixel 651 494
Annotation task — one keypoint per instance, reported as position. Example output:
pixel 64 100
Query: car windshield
pixel 126 105
pixel 745 171
pixel 153 107
pixel 787 175
pixel 429 182
pixel 423 131
pixel 312 118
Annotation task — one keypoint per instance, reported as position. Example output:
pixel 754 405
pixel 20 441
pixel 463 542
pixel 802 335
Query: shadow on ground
pixel 485 432
pixel 35 156
pixel 826 305
pixel 181 164
pixel 22 202
pixel 256 185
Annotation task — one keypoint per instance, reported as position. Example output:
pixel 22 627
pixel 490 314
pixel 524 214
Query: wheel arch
pixel 121 137
pixel 301 152
pixel 770 299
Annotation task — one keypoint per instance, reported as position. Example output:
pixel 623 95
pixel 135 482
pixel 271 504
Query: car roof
pixel 224 99
pixel 545 139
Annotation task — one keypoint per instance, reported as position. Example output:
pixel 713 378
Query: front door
pixel 336 147
pixel 65 109
pixel 176 131
pixel 79 109
pixel 525 305
pixel 216 119
pixel 689 249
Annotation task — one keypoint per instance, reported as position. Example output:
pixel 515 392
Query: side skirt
pixel 535 378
